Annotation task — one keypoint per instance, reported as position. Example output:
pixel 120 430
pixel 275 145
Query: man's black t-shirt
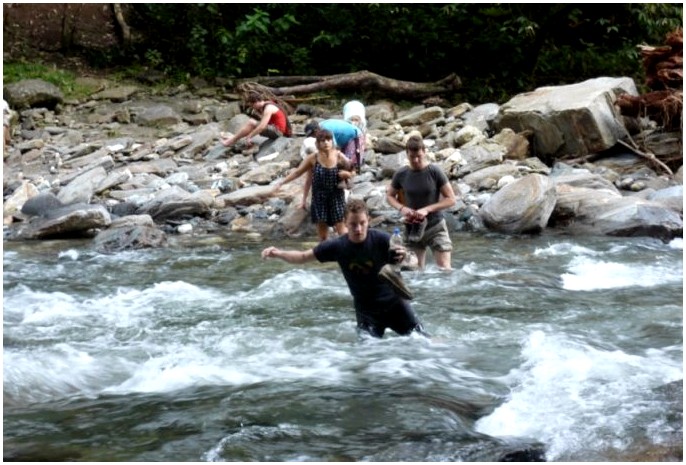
pixel 360 264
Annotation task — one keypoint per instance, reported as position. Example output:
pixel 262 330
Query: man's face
pixel 358 225
pixel 416 158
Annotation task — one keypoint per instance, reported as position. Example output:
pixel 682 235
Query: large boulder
pixel 523 206
pixel 72 221
pixel 574 119
pixel 32 93
pixel 584 211
pixel 130 233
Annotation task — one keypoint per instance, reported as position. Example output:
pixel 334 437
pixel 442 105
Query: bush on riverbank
pixel 498 50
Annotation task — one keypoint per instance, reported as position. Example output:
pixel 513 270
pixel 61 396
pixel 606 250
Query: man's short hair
pixel 414 144
pixel 355 205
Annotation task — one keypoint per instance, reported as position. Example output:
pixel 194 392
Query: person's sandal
pixel 395 279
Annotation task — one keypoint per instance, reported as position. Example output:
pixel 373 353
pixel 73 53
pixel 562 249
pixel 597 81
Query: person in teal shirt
pixel 346 136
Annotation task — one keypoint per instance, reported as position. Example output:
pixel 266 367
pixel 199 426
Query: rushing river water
pixel 204 352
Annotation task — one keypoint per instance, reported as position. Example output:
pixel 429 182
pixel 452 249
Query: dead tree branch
pixel 360 80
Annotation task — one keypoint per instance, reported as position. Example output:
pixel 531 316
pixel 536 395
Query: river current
pixel 202 351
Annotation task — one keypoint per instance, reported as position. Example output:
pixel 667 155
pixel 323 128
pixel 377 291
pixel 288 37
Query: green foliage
pixel 65 80
pixel 497 49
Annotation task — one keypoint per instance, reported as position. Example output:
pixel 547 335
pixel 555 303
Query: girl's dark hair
pixel 323 134
pixel 415 143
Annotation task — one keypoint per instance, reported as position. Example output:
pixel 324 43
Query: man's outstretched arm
pixel 295 257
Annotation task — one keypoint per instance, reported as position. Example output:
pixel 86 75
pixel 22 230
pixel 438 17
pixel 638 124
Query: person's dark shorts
pixel 270 132
pixel 398 316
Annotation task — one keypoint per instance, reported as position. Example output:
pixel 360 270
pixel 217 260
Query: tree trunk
pixel 123 27
pixel 361 80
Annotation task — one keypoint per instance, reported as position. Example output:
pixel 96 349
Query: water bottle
pixel 396 238
pixel 396 241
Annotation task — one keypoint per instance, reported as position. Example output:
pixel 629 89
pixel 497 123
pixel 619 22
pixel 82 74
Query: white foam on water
pixel 562 249
pixel 70 254
pixel 573 397
pixel 677 243
pixel 587 274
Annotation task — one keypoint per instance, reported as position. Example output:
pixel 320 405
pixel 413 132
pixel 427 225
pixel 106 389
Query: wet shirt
pixel 360 264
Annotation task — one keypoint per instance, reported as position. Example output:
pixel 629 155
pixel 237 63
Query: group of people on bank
pixel 420 191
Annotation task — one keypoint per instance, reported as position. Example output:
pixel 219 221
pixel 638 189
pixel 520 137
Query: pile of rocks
pixel 129 167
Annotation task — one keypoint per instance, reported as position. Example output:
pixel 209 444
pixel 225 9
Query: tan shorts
pixel 435 237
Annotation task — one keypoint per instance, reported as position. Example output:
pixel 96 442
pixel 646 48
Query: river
pixel 204 352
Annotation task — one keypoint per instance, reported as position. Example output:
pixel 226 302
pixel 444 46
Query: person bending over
pixel 272 125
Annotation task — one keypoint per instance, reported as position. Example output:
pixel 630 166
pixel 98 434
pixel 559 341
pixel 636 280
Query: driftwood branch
pixel 360 80
pixel 648 156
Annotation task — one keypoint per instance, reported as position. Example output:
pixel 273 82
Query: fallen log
pixel 362 81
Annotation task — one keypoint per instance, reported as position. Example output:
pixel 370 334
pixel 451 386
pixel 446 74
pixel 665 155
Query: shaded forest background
pixel 497 50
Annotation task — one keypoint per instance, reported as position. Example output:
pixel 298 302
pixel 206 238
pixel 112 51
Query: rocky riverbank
pixel 130 166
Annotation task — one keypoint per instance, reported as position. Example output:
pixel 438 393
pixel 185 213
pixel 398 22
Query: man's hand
pixel 270 252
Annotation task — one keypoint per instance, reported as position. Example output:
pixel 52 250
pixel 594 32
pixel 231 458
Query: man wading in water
pixel 361 254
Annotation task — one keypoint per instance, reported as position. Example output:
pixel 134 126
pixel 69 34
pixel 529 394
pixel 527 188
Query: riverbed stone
pixel 72 221
pixel 571 119
pixel 32 93
pixel 180 173
pixel 523 206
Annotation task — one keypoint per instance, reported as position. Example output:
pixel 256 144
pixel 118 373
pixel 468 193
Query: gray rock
pixel 82 188
pixel 421 116
pixel 481 116
pixel 116 94
pixel 72 221
pixel 158 116
pixel 129 237
pixel 32 93
pixel 523 206
pixel 670 197
pixel 41 205
pixel 573 119
pixel 584 211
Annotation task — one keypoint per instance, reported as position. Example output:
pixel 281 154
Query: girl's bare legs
pixel 322 231
pixel 340 228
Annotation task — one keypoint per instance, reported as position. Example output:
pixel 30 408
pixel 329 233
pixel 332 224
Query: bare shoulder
pixel 270 108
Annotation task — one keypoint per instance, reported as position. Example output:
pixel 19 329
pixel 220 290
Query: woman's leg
pixel 322 231
pixel 340 228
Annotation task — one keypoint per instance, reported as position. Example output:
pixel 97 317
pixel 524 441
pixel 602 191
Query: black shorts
pixel 396 315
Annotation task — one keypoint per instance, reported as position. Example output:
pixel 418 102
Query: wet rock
pixel 523 206
pixel 130 233
pixel 72 221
